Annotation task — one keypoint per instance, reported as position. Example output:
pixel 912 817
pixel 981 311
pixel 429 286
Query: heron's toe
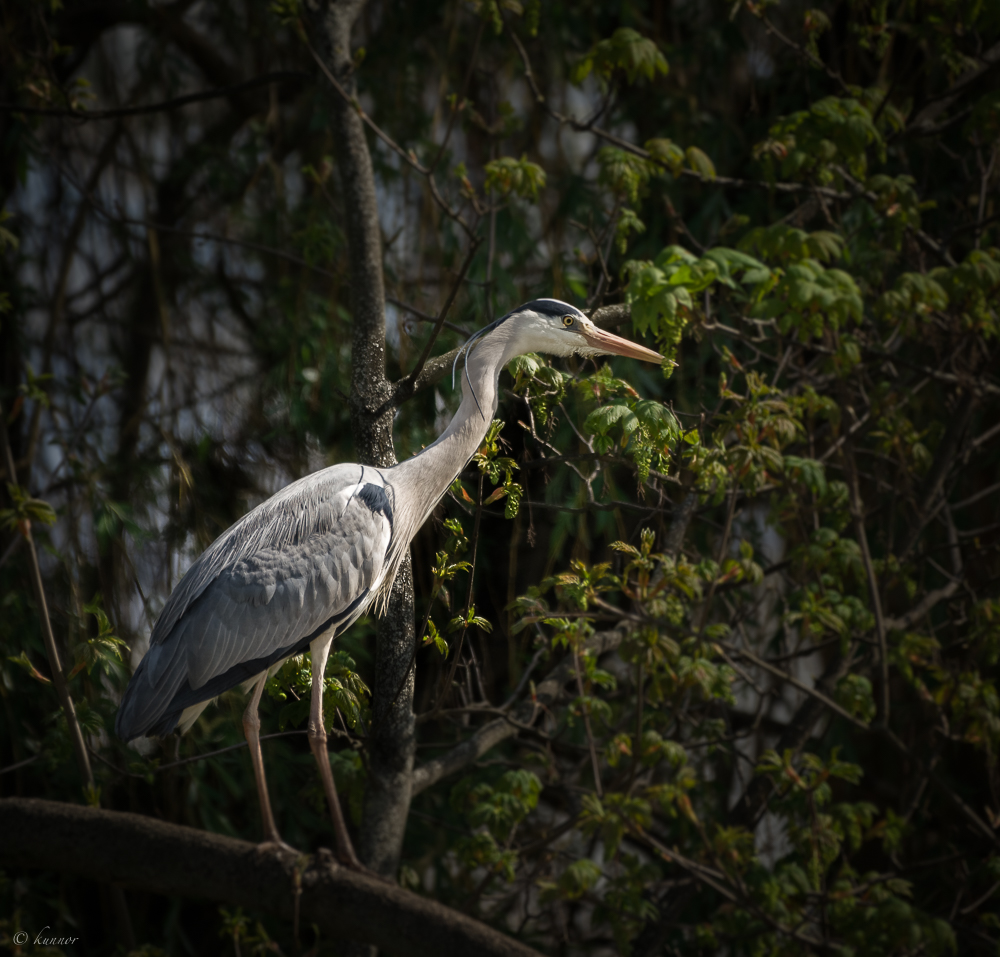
pixel 275 845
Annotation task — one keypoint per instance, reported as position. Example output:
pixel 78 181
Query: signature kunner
pixel 21 937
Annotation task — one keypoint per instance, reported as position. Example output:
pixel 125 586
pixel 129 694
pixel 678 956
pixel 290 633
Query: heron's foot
pixel 350 861
pixel 274 844
pixel 327 857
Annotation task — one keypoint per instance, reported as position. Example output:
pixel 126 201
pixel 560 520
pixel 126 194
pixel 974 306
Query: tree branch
pixel 523 716
pixel 405 387
pixel 581 127
pixel 753 802
pixel 168 859
pixel 351 102
pixel 55 665
pixel 975 821
pixel 792 680
pixel 945 458
pixel 929 600
pixel 164 106
pixel 858 513
pixel 804 53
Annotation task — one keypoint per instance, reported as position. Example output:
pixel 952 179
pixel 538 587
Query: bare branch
pixel 929 600
pixel 858 514
pixel 55 665
pixel 142 852
pixel 436 369
pixel 792 680
pixel 975 821
pixel 523 716
pixel 406 384
pixel 407 157
pixel 803 52
pixel 945 458
pixel 717 882
pixel 609 317
pixel 279 76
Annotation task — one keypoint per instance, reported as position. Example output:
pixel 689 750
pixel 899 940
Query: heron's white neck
pixel 420 481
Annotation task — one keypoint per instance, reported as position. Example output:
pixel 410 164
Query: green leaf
pixel 657 419
pixel 437 639
pixel 602 419
pixel 811 472
pixel 666 152
pixel 573 883
pixel 506 176
pixel 24 662
pixel 628 223
pixel 26 509
pixel 624 173
pixel 854 694
pixel 624 50
pixel 700 163
pixel 7 238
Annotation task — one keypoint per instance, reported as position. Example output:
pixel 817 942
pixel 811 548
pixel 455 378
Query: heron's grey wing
pixel 289 517
pixel 308 560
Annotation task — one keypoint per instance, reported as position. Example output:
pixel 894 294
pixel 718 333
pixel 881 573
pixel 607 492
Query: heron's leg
pixel 251 728
pixel 320 650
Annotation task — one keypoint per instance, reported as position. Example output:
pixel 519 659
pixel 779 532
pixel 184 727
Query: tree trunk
pixel 392 743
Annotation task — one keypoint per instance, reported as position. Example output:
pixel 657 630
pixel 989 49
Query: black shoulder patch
pixel 375 498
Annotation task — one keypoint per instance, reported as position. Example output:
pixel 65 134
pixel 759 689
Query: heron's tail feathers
pixel 147 706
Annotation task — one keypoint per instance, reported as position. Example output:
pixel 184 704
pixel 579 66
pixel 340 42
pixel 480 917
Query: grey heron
pixel 303 566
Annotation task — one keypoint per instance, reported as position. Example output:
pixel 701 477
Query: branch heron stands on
pixel 303 566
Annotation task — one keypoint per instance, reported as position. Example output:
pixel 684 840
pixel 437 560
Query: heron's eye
pixel 568 321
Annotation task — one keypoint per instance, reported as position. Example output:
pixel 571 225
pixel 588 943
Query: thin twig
pixel 426 316
pixel 409 158
pixel 456 109
pixel 715 881
pixel 524 678
pixel 723 545
pixel 200 757
pixel 279 76
pixel 20 764
pixel 858 514
pixel 791 679
pixel 418 368
pixel 803 52
pixel 468 603
pixel 55 665
pixel 595 765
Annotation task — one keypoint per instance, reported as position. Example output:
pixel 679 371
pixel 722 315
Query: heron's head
pixel 557 328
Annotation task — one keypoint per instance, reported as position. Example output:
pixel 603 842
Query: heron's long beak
pixel 616 345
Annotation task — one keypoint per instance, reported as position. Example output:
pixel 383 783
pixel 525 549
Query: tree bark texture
pixel 392 743
pixel 143 853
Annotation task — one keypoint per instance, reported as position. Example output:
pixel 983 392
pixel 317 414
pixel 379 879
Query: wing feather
pixel 309 559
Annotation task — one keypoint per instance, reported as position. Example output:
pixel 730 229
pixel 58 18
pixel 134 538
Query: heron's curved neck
pixel 420 481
